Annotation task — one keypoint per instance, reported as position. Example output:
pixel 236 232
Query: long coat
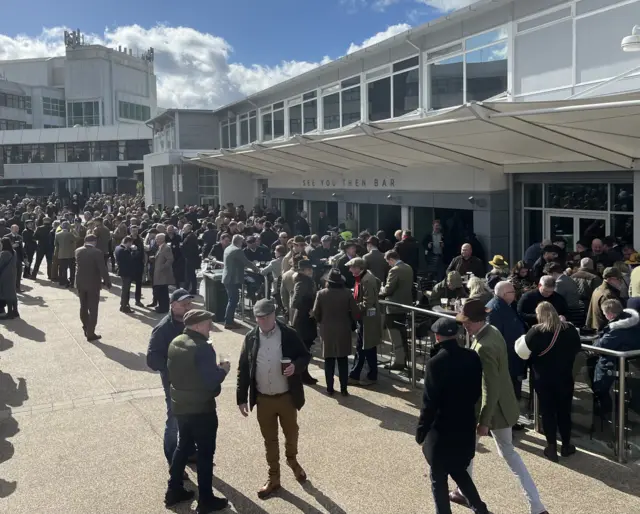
pixel 304 293
pixel 163 267
pixel 398 288
pixel 370 309
pixel 595 317
pixel 8 263
pixel 335 310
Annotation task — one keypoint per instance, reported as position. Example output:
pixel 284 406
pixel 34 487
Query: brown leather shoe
pixel 298 472
pixel 269 488
pixel 456 496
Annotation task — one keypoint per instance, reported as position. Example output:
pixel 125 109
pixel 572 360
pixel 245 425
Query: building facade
pixel 510 119
pixel 76 123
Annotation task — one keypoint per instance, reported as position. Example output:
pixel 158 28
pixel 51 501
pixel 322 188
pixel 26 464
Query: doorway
pixel 576 226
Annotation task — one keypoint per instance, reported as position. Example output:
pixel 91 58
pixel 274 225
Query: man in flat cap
pixel 196 380
pixel 272 361
pixel 447 425
pixel 499 409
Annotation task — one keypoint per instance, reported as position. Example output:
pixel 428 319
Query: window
pixel 224 134
pixel 331 109
pixel 233 136
pixel 309 112
pixel 208 183
pixel 477 73
pixel 341 103
pixel 350 99
pixel 136 149
pixel 253 127
pixel 131 111
pixel 13 125
pixel 76 152
pixel 15 101
pixel 295 119
pixel 394 95
pixel 53 107
pixel 586 197
pixel 106 151
pixel 267 127
pixel 86 114
pixel 228 133
pixel 278 120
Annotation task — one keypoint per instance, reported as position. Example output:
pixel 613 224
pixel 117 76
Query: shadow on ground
pixel 21 328
pixel 130 360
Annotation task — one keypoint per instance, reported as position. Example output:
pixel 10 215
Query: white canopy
pixel 494 136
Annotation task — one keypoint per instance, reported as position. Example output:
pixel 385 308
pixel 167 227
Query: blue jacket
pixel 157 352
pixel 621 335
pixel 506 319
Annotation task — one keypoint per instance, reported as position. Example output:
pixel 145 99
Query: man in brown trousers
pixel 91 271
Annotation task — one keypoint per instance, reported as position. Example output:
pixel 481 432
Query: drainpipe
pixel 512 213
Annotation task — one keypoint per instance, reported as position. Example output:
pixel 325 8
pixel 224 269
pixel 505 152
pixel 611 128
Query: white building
pixel 512 119
pixel 76 123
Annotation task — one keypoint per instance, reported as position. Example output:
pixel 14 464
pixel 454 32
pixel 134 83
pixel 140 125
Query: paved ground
pixel 81 427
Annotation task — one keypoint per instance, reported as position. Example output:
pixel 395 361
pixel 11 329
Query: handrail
pixel 612 353
pixel 412 308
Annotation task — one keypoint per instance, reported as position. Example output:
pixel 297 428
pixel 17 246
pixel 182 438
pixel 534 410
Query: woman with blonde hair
pixel 551 347
pixel 478 290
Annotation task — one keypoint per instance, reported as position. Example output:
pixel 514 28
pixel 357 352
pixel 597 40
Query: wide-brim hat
pixel 498 261
pixel 634 259
pixel 473 310
pixel 334 277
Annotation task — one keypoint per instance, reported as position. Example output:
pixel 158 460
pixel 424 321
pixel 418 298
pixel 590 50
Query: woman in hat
pixel 499 271
pixel 336 312
pixel 521 279
pixel 551 347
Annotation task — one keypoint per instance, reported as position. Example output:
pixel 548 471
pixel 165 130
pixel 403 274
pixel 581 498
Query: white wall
pixel 237 187
pixel 63 170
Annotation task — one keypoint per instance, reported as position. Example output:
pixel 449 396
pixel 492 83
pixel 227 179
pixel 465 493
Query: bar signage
pixel 350 183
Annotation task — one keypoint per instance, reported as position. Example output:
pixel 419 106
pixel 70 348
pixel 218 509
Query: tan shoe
pixel 269 488
pixel 298 472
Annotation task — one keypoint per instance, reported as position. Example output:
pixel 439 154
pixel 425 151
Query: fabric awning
pixel 486 135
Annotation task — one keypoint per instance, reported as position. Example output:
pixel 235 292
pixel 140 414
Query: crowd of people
pixel 326 284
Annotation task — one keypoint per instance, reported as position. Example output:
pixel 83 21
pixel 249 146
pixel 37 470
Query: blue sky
pixel 247 44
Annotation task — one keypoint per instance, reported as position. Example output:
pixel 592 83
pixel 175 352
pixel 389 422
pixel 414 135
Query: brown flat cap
pixel 195 316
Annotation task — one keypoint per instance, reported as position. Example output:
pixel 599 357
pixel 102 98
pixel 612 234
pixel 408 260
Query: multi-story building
pixel 77 122
pixel 511 119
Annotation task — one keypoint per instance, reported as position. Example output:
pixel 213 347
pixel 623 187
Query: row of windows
pixel 85 114
pixel 14 125
pixel 132 150
pixel 473 70
pixel 53 107
pixel 130 111
pixel 53 126
pixel 15 101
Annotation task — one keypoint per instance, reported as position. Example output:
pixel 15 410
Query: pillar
pixel 405 218
pixel 636 208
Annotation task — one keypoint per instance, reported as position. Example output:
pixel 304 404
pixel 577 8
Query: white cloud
pixel 447 5
pixel 194 69
pixel 380 36
pixel 381 5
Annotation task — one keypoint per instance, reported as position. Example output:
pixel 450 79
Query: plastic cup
pixel 284 364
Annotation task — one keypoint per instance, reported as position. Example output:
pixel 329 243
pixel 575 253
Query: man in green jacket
pixel 499 409
pixel 196 380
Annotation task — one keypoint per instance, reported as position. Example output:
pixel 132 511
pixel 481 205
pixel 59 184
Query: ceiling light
pixel 632 43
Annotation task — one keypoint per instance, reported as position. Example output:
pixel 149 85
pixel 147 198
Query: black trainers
pixel 174 496
pixel 215 505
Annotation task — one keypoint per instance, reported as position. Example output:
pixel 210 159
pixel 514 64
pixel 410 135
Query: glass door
pixel 574 227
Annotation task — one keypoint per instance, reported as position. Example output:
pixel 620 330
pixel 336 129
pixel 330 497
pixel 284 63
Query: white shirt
pixel 269 377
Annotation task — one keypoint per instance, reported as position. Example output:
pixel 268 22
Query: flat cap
pixel 611 273
pixel 305 264
pixel 180 294
pixel 196 316
pixel 263 308
pixel 299 240
pixel 445 327
pixel 325 238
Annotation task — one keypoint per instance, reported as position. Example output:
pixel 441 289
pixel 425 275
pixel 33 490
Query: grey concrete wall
pixel 197 131
pixel 237 187
pixel 190 194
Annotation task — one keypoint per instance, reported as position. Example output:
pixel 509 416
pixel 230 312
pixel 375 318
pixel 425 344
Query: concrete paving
pixel 81 432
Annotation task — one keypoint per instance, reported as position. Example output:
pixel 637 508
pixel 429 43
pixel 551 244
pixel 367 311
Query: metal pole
pixel 536 409
pixel 413 349
pixel 622 388
pixel 242 302
pixel 266 287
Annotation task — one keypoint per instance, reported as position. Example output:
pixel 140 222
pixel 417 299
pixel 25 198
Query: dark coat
pixel 302 300
pixel 409 251
pixel 302 227
pixel 530 300
pixel 191 249
pixel 377 264
pixel 505 318
pixel 336 311
pixel 341 265
pixel 91 269
pixel 127 264
pixel 473 264
pixel 292 348
pixel 268 237
pixel 595 317
pixel 621 335
pixel 447 424
pixel 41 235
pixel 8 270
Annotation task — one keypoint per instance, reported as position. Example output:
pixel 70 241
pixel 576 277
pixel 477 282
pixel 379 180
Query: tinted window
pixel 379 98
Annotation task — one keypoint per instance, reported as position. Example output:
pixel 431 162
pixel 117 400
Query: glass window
pixel 278 105
pixel 233 138
pixel 486 72
pixel 622 197
pixel 295 120
pixel 309 95
pixel 310 113
pixel 532 195
pixel 587 197
pixel 532 227
pixel 379 98
pixel 224 132
pixel 88 109
pixel 622 227
pixel 447 83
pixel 278 123
pixel 139 112
pixel 77 109
pixel 331 106
pixel 350 106
pixel 368 217
pixel 244 132
pixel 267 129
pixel 253 129
pixel 406 87
pixel 407 63
pixel 350 82
pixel 486 39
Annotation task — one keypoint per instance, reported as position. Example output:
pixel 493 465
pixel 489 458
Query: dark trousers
pixel 190 279
pixel 18 275
pixel 41 254
pixel 555 409
pixel 199 430
pixel 370 356
pixel 125 293
pixel 233 297
pixel 330 369
pixel 162 297
pixel 89 301
pixel 440 473
pixel 63 266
